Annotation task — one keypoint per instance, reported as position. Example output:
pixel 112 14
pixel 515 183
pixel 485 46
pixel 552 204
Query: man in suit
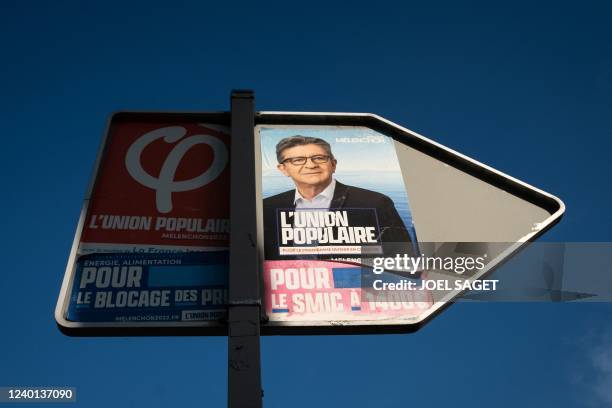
pixel 311 164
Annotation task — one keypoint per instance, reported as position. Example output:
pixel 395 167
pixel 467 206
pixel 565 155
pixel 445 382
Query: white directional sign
pixel 361 220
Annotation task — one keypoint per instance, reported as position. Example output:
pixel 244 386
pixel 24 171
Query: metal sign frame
pixel 551 204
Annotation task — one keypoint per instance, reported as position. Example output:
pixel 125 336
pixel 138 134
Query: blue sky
pixel 523 87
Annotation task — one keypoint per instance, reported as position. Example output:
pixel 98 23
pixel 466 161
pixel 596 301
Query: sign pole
pixel 244 365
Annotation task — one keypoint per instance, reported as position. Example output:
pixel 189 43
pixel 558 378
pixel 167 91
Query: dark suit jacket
pixel 392 228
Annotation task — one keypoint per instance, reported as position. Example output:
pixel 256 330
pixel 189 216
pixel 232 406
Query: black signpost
pixel 244 368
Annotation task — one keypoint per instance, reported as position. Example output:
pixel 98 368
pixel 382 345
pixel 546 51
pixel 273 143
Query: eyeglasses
pixel 300 161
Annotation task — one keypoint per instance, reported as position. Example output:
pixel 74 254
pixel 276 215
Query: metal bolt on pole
pixel 244 365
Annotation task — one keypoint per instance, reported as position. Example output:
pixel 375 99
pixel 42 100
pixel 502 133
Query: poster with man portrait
pixel 334 198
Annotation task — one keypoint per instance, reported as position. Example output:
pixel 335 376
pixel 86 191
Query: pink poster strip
pixel 313 290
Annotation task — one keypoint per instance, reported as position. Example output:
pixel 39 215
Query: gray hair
pixel 299 140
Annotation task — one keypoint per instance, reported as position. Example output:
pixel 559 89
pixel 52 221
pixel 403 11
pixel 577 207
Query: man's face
pixel 309 173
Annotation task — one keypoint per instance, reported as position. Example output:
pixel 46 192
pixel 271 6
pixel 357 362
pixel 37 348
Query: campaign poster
pixel 160 186
pixel 155 235
pixel 334 199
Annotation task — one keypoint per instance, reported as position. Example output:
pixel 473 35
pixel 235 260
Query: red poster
pixel 160 186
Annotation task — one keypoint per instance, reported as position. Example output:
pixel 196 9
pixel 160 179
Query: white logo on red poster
pixel 165 184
